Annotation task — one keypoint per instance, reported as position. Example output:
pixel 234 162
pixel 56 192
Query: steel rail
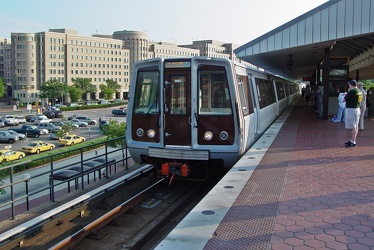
pixel 34 224
pixel 106 218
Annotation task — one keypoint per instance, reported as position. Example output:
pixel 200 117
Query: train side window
pixel 266 92
pixel 214 95
pixel 146 92
pixel 280 90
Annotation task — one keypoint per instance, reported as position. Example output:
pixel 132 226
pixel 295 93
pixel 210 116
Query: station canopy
pixel 294 50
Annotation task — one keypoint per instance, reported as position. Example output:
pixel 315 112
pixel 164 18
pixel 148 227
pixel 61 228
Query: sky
pixel 175 21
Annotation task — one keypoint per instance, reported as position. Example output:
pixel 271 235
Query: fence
pixel 51 179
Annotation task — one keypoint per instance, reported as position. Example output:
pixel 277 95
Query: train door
pixel 256 106
pixel 177 107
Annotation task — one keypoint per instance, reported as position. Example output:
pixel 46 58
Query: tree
pixel 2 87
pixel 113 130
pixel 53 89
pixel 109 89
pixel 368 84
pixel 74 93
pixel 84 84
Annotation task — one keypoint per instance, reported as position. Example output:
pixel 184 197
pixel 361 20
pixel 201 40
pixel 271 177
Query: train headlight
pixel 223 135
pixel 140 132
pixel 151 133
pixel 208 135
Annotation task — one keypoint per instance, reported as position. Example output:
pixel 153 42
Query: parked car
pixel 62 123
pixel 20 135
pixel 37 147
pixel 53 113
pixel 72 117
pixel 71 140
pixel 7 155
pixel 49 126
pixel 58 113
pixel 2 123
pixel 10 120
pixel 87 119
pixel 31 131
pixel 49 113
pixel 5 136
pixel 79 122
pixel 53 136
pixel 119 112
pixel 40 119
pixel 21 118
pixel 40 115
pixel 30 118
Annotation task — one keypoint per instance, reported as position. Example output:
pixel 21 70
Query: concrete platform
pixel 299 187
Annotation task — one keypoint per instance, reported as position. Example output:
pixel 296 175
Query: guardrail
pixel 53 177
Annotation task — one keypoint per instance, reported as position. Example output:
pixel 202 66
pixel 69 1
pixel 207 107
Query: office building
pixel 163 49
pixel 61 54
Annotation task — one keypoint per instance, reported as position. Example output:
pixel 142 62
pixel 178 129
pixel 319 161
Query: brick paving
pixel 309 191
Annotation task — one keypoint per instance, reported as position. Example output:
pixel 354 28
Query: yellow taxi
pixel 7 155
pixel 37 147
pixel 71 140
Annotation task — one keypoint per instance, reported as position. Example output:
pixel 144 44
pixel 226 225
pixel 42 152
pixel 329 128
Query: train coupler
pixel 174 168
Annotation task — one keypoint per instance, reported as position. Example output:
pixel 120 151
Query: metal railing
pixel 50 179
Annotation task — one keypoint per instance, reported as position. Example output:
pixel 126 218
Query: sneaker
pixel 351 144
pixel 348 142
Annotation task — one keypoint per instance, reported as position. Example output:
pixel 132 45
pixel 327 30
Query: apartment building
pixel 6 64
pixel 62 54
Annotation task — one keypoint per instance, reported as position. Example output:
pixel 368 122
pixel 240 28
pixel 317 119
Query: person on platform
pixel 341 116
pixel 360 86
pixel 307 94
pixel 319 101
pixel 352 102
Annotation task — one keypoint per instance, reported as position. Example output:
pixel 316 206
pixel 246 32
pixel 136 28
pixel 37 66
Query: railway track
pixel 126 216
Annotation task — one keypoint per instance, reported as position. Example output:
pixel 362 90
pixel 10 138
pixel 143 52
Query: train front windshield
pixel 146 93
pixel 214 92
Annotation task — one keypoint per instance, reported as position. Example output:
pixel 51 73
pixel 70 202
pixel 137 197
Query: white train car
pixel 186 114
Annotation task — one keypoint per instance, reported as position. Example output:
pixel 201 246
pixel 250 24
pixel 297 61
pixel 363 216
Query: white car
pixel 21 119
pixel 79 123
pixel 41 119
pixel 11 120
pixel 21 136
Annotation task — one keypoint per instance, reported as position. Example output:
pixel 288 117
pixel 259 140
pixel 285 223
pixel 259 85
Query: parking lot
pixel 91 132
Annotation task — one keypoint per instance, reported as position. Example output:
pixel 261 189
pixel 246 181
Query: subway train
pixel 191 116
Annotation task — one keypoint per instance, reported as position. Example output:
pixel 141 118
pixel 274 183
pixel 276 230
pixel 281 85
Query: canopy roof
pixel 294 49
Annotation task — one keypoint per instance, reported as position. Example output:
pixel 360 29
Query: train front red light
pixel 165 169
pixel 185 171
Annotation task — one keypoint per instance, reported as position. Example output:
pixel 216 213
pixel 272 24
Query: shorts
pixel 352 116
